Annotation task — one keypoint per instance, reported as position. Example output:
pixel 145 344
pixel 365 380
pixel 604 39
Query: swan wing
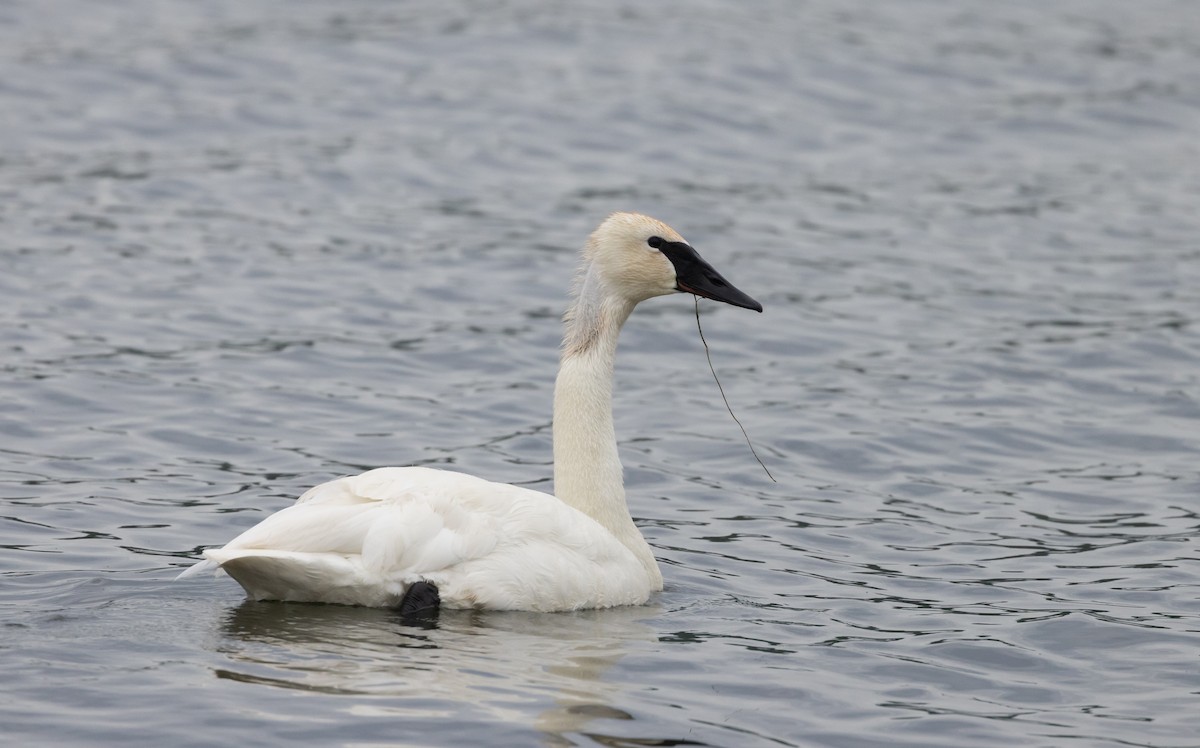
pixel 364 539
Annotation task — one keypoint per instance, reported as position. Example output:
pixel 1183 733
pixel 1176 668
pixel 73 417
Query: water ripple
pixel 250 247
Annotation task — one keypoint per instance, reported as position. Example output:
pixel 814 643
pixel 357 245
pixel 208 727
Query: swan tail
pixel 199 568
pixel 305 577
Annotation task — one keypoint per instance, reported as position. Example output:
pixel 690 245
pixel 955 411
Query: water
pixel 247 247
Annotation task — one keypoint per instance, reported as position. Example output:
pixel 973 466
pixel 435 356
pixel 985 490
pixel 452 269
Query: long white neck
pixel 587 469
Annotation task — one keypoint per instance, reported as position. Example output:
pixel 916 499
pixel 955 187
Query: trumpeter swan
pixel 416 537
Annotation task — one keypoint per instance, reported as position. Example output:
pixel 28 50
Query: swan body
pixel 363 539
pixel 367 539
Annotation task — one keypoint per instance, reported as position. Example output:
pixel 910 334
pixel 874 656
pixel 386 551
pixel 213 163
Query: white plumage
pixel 364 539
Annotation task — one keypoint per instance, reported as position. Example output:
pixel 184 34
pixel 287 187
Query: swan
pixel 418 538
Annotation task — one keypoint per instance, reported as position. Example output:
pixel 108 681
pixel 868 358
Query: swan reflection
pixel 543 671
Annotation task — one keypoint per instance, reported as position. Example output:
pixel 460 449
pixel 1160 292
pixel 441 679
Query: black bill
pixel 694 275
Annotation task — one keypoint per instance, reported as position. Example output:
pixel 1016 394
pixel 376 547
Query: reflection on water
pixel 503 664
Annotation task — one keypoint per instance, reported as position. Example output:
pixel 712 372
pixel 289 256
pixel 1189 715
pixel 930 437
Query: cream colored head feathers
pixel 625 264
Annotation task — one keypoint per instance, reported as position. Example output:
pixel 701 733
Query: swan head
pixel 639 258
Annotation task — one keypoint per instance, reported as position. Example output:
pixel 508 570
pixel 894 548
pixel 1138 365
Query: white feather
pixel 363 539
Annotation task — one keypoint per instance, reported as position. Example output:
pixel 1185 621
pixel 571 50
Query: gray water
pixel 246 247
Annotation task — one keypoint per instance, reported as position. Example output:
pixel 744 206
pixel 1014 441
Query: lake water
pixel 248 247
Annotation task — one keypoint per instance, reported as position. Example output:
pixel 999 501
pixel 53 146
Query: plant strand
pixel 708 355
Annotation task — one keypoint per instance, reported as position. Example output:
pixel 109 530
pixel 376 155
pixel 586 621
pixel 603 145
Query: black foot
pixel 420 601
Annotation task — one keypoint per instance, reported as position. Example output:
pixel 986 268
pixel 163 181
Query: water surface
pixel 248 247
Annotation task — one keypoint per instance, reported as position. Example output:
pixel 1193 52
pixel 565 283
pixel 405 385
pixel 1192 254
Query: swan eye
pixel 655 241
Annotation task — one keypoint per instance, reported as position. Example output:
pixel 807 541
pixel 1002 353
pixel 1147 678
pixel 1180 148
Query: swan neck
pixel 587 468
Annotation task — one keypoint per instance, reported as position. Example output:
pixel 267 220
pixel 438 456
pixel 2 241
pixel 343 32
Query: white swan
pixel 417 537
